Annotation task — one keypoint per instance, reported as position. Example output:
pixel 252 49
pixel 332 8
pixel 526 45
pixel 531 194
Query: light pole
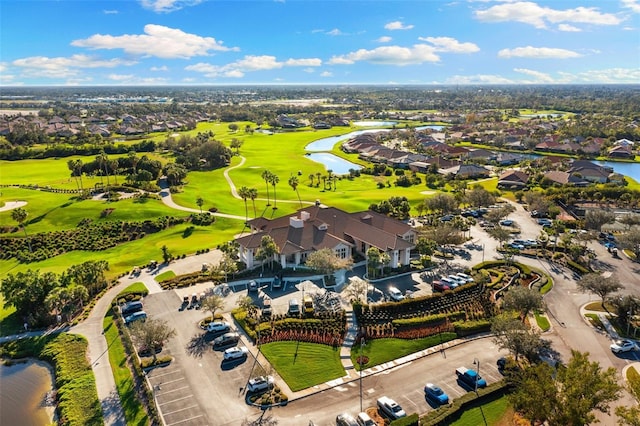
pixel 361 355
pixel 476 361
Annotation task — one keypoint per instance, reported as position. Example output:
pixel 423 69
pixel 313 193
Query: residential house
pixel 565 178
pixel 590 171
pixel 318 227
pixel 513 179
pixel 620 151
pixel 466 171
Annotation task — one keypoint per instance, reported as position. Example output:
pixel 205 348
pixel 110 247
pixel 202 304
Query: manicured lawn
pixel 165 276
pixel 133 411
pixel 380 351
pixel 496 412
pixel 137 288
pixel 597 306
pixel 9 321
pixel 542 321
pixel 303 365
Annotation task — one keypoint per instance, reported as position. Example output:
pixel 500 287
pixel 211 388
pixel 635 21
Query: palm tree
pixel 318 178
pixel 274 181
pixel 78 171
pixel 266 175
pixel 200 202
pixel 311 176
pixel 253 194
pixel 113 166
pixel 71 165
pixel 293 183
pixel 243 192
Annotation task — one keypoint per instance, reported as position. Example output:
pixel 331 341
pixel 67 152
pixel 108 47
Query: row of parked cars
pixel 386 406
pixel 132 312
pixel 451 281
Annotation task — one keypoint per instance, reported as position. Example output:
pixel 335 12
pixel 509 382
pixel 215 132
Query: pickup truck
pixel 390 408
pixel 469 377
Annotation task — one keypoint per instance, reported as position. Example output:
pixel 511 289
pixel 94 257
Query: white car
pixel 236 352
pixel 466 277
pixel 457 279
pixel 260 383
pixel 218 327
pixel 623 345
pixel 396 294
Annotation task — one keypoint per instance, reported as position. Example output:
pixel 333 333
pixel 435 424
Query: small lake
pixel 22 394
pixel 374 123
pixel 628 169
pixel 338 165
pixel 326 144
pixel 436 127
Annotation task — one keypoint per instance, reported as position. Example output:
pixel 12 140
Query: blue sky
pixel 196 42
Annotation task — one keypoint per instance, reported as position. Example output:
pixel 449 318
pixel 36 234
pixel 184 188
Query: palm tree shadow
pixel 198 345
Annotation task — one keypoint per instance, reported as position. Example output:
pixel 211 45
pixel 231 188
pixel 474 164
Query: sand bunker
pixel 10 205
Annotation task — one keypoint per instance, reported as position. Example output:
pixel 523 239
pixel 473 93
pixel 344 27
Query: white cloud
pixel 610 75
pixel 110 12
pixel 335 32
pixel 448 44
pixel 309 70
pixel 569 28
pixel 397 25
pixel 167 6
pixel 3 66
pixel 158 40
pixel 478 79
pixel 162 68
pixel 539 77
pixel 250 63
pixel 390 55
pixel 131 79
pixel 384 39
pixel 64 67
pixel 538 53
pixel 538 16
pixel 634 5
pixel 326 74
pixel 120 77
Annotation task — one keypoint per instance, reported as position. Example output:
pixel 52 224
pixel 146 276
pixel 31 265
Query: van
pixel 266 307
pixel 136 316
pixel 130 307
pixel 363 419
pixel 307 301
pixel 294 307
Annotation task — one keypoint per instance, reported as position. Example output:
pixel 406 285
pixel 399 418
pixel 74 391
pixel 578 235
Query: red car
pixel 440 286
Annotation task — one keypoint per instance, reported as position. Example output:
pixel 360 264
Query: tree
pixel 267 250
pixel 266 176
pixel 274 180
pixel 212 304
pixel 425 246
pixel 236 144
pixel 502 235
pixel 513 335
pixel 151 334
pixel 538 202
pixel 522 300
pixel 243 192
pixel 599 285
pixel 373 261
pixel 328 262
pixel 71 165
pixel 200 202
pixel 628 416
pixel 357 289
pixel 479 197
pixel 631 240
pixel 166 254
pixel 253 194
pixel 20 215
pixel 293 183
pixel 228 265
pixel 495 215
pixel 246 304
pixel 27 292
pixel 442 203
pixel 595 218
pixel 570 397
pixel 233 127
pixel 89 274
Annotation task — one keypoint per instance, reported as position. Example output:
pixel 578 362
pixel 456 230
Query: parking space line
pixel 172 390
pixel 164 374
pixel 171 381
pixel 177 411
pixel 184 420
pixel 177 399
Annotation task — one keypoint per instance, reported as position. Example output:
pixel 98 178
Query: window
pixel 341 253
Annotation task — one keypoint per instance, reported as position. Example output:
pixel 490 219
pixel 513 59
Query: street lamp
pixel 476 361
pixel 361 352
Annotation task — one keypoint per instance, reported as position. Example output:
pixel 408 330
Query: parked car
pixel 545 222
pixel 294 307
pixel 449 282
pixel 130 307
pixel 252 286
pixel 468 278
pixel 390 408
pixel 345 419
pixel 395 294
pixel 440 286
pixel 446 218
pixel 226 339
pixel 266 307
pixel 259 384
pixel 506 222
pixel 530 243
pixel 218 327
pixel 623 345
pixel 236 352
pixel 136 316
pixel 435 394
pixel 515 246
pixel 277 283
pixel 363 419
pixel 457 279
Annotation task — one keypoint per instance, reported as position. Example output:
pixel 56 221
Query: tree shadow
pixel 111 405
pixel 198 345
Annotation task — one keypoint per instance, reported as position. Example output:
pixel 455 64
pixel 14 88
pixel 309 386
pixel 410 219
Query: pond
pixel 374 123
pixel 23 393
pixel 436 127
pixel 326 144
pixel 338 165
pixel 628 169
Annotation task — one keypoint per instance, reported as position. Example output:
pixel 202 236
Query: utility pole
pixel 361 355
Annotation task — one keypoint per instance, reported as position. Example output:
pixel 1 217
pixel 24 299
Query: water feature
pixel 374 123
pixel 628 169
pixel 23 392
pixel 326 144
pixel 338 165
pixel 436 127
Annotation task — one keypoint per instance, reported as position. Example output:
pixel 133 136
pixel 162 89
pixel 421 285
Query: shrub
pixel 410 420
pixel 148 362
pixel 633 377
pixel 467 328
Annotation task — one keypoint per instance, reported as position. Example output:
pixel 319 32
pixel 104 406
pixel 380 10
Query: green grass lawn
pixel 498 411
pixel 133 411
pixel 542 321
pixel 136 288
pixel 9 321
pixel 167 275
pixel 380 351
pixel 303 365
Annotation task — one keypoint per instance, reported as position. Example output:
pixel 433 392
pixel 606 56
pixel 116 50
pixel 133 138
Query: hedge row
pixel 411 420
pixel 633 377
pixel 429 319
pixel 466 328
